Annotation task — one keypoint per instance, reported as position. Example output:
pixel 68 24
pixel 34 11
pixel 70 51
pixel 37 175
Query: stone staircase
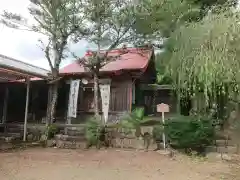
pixel 71 137
pixel 74 138
pixel 224 145
pixel 11 137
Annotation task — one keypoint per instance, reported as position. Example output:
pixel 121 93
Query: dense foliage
pixel 134 121
pixel 203 56
pixel 51 131
pixel 189 132
pixel 207 4
pixel 156 19
pixel 157 132
pixel 92 131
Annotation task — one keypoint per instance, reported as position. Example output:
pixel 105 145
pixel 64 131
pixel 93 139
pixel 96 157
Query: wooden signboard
pixel 163 108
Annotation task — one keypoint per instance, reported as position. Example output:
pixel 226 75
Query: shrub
pixel 157 132
pixel 92 131
pixel 51 131
pixel 189 132
pixel 133 121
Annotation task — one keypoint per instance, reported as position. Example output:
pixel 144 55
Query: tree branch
pixel 47 54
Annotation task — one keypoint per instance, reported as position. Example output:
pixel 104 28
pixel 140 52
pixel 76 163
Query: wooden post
pixel 163 108
pixel 163 134
pixel 130 90
pixel 69 119
pixel 5 105
pixel 26 109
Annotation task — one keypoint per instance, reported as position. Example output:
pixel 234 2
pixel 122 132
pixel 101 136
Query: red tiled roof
pixel 134 59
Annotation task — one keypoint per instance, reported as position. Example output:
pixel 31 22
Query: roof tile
pixel 134 59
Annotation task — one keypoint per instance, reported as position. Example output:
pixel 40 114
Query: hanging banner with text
pixel 105 95
pixel 73 98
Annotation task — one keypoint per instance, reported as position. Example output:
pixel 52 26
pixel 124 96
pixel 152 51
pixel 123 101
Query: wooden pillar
pixel 154 101
pixel 26 109
pixel 35 101
pixel 134 92
pixel 69 119
pixel 5 106
pixel 66 106
pixel 130 90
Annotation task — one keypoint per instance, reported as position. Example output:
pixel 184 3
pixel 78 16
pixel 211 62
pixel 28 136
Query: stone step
pixel 9 146
pixel 74 131
pixel 70 144
pixel 65 141
pixel 215 156
pixel 14 130
pixel 223 149
pixel 6 146
pixel 10 137
pixel 222 142
pixel 10 134
pixel 70 138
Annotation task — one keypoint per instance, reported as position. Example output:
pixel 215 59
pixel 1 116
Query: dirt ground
pixel 111 164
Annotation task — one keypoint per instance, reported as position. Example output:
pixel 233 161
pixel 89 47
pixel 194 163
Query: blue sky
pixel 24 45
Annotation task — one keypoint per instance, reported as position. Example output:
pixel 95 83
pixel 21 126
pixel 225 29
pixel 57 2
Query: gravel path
pixel 56 164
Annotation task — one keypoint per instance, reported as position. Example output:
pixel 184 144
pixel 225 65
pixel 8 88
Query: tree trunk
pixel 53 95
pixel 54 102
pixel 53 91
pixel 49 105
pixel 96 95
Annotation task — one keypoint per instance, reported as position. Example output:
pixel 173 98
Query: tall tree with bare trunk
pixel 59 21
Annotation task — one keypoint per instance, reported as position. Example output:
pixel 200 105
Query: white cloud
pixel 24 45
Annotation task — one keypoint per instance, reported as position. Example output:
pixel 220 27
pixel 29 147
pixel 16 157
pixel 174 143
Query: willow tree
pixel 110 26
pixel 58 21
pixel 204 56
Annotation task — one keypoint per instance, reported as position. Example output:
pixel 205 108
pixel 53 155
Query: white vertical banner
pixel 73 98
pixel 105 96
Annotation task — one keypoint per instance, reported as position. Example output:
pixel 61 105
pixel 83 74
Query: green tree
pixel 58 20
pixel 110 26
pixel 207 4
pixel 204 56
pixel 162 18
pixel 156 19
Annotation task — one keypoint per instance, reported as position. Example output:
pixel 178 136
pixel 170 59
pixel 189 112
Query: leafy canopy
pixel 109 24
pixel 158 18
